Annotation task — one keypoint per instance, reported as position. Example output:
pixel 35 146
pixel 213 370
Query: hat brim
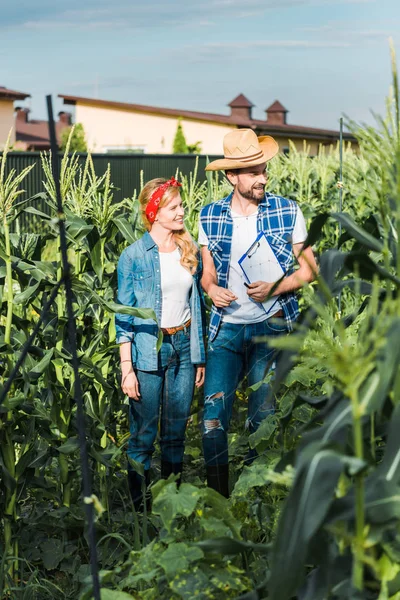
pixel 268 146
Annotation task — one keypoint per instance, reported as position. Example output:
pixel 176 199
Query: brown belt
pixel 277 314
pixel 173 330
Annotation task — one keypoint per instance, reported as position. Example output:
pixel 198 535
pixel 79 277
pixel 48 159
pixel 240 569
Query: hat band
pixel 259 154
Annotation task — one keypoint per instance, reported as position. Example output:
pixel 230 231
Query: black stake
pixel 80 415
pixel 340 186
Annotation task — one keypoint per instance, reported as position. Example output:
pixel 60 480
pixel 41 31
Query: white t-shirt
pixel 176 283
pixel 244 310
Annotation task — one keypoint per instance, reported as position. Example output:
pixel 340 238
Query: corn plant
pixel 10 453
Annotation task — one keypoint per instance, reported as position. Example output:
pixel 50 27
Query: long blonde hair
pixel 183 239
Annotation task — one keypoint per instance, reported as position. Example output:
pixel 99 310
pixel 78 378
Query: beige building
pixel 119 126
pixel 7 119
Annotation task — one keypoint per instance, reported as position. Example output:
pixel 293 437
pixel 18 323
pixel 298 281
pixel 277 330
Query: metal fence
pixel 125 171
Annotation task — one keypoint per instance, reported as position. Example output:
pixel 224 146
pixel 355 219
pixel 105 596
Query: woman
pixel 160 271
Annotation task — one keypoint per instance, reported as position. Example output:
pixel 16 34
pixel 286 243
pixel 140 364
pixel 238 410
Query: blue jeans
pixel 231 355
pixel 165 393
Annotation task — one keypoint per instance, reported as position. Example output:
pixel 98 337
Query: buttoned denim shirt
pixel 276 217
pixel 139 285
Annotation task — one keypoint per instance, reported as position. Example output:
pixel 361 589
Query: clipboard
pixel 260 263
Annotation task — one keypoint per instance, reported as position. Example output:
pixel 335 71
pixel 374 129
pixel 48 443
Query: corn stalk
pixel 9 192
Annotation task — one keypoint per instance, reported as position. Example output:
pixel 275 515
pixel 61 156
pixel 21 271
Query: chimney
pixel 65 118
pixel 22 114
pixel 241 108
pixel 276 114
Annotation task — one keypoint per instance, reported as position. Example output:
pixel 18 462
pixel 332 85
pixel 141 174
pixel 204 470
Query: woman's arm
pixel 124 327
pixel 129 382
pixel 126 296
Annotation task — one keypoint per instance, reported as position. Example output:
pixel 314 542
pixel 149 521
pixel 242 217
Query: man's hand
pixel 259 290
pixel 220 296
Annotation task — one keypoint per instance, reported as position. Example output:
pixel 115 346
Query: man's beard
pixel 252 193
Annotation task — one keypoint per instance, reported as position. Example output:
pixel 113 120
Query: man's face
pixel 250 182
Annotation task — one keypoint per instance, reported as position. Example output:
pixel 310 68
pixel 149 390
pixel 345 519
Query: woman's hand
pixel 200 374
pixel 130 385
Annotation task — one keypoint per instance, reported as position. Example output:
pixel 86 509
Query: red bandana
pixel 156 197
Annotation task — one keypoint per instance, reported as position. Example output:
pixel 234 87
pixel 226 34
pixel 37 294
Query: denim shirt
pixel 276 217
pixel 139 285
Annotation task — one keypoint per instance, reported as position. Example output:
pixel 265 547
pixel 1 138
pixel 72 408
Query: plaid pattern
pixel 276 217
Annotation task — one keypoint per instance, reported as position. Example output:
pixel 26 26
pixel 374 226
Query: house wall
pixel 118 129
pixel 311 145
pixel 107 128
pixel 6 122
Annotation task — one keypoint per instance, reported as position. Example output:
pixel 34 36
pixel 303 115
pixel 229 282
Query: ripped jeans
pixel 232 355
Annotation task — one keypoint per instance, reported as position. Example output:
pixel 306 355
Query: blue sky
pixel 320 58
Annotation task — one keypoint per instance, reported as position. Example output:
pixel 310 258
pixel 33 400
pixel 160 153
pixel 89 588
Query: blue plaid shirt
pixel 276 217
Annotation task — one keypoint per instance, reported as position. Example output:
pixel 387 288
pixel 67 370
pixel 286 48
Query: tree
pixel 194 148
pixel 78 141
pixel 180 145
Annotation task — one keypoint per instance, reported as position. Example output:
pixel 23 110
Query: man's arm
pixel 307 271
pixel 220 296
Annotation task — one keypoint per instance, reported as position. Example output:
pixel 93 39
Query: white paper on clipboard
pixel 259 263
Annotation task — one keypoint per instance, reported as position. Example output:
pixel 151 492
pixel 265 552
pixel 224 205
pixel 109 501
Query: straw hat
pixel 242 149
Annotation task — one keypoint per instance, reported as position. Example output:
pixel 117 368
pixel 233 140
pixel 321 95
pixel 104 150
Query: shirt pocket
pixel 142 278
pixel 281 244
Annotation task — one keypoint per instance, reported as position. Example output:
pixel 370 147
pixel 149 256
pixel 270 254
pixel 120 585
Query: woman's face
pixel 170 216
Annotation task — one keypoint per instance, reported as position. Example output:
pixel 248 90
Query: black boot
pixel 135 483
pixel 218 479
pixel 167 468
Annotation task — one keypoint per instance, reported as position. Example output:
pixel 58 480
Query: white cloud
pixel 135 14
pixel 278 44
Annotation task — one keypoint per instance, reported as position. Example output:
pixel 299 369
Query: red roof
pixel 276 107
pixel 261 127
pixel 6 94
pixel 241 102
pixel 35 133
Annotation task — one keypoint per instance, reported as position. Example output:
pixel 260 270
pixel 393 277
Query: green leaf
pixel 254 476
pixel 260 438
pixel 303 513
pixel 126 229
pixel 160 338
pixel 70 446
pixel 96 258
pixel 7 478
pixel 39 270
pixel 362 236
pixel 226 545
pixel 193 584
pixel 24 296
pixel 178 557
pixel 106 594
pixel 389 469
pixel 375 390
pixel 13 402
pixel 34 211
pixel 381 503
pixel 77 228
pixel 141 313
pixel 315 229
pixel 52 553
pixel 41 366
pixel 168 501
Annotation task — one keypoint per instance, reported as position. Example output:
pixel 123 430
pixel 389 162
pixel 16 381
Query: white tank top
pixel 176 283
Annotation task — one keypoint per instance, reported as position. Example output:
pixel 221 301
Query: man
pixel 243 311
